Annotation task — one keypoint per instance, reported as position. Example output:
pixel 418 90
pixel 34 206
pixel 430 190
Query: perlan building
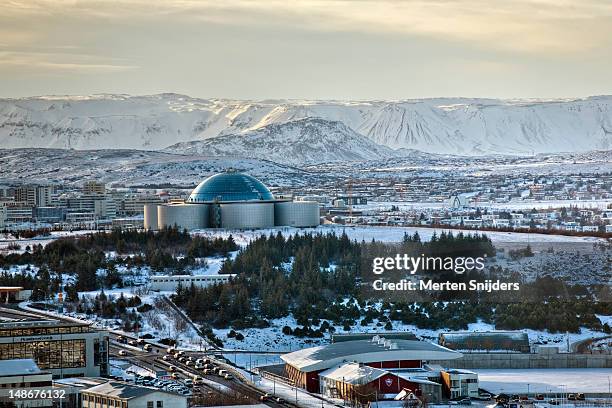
pixel 232 200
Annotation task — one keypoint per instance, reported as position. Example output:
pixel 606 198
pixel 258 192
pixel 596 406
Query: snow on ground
pixel 304 399
pixel 391 234
pixel 512 205
pixel 588 380
pixel 272 338
pixel 251 360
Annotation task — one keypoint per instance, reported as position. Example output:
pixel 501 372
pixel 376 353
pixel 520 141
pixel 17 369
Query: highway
pixel 121 349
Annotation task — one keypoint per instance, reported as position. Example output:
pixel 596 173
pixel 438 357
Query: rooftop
pixel 121 390
pixel 353 373
pixel 9 368
pixel 230 186
pixel 365 351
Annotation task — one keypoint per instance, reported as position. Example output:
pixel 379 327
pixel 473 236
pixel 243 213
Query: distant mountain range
pixel 306 132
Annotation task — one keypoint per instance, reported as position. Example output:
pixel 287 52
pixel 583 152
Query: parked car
pixel 580 396
pixel 571 397
pixel 228 376
pixel 539 397
pixel 265 397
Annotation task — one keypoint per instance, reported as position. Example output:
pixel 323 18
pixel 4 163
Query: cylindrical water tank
pixel 184 216
pixel 247 215
pixel 296 214
pixel 150 217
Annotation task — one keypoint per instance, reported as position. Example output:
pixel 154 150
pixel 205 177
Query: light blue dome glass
pixel 230 186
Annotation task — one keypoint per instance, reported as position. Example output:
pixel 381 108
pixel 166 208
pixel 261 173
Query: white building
pixel 460 383
pixel 171 282
pixel 24 375
pixel 119 394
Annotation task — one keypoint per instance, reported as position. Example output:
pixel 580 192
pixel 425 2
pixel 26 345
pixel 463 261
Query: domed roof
pixel 230 186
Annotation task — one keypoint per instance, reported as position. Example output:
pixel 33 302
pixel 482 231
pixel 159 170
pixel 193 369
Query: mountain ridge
pixel 463 126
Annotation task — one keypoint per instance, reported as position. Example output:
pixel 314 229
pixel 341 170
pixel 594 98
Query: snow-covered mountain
pixel 445 125
pixel 303 141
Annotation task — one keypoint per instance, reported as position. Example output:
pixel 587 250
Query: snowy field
pixel 392 234
pixel 512 205
pixel 588 380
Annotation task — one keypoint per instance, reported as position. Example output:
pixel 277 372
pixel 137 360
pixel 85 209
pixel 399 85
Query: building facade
pixel 65 349
pixel 171 282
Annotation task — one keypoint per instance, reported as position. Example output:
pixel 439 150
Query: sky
pixel 307 49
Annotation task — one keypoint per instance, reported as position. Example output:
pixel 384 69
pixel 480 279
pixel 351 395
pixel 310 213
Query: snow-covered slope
pixel 445 125
pixel 303 141
pixel 136 168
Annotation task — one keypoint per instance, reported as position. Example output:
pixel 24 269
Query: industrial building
pixel 316 368
pixel 231 200
pixel 63 348
pixel 508 341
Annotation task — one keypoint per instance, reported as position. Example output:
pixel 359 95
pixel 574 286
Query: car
pixel 172 368
pixel 132 343
pixel 197 380
pixel 553 402
pixel 174 376
pixel 580 396
pixel 484 396
pixel 265 397
pixel 207 371
pixel 462 401
pixel 571 397
pixel 279 400
pixel 514 398
pixel 524 398
pixel 189 363
pixel 140 341
pixel 147 347
pixel 228 376
pixel 540 397
pixel 167 357
pixel 122 353
pixel 171 350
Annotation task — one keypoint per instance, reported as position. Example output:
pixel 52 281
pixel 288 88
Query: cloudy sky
pixel 316 49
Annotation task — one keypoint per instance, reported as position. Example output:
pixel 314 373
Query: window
pixel 47 354
pixel 160 404
pixel 149 404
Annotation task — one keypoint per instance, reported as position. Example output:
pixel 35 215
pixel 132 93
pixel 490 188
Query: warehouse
pixel 305 366
pixel 508 341
pixel 231 200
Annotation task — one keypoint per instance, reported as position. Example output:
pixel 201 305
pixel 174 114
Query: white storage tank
pixel 184 216
pixel 296 214
pixel 247 215
pixel 150 217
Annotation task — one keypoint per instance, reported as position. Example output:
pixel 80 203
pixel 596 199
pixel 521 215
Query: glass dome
pixel 230 186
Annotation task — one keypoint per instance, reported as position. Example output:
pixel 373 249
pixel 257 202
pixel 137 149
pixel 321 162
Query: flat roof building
pixel 23 374
pixel 114 394
pixel 63 348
